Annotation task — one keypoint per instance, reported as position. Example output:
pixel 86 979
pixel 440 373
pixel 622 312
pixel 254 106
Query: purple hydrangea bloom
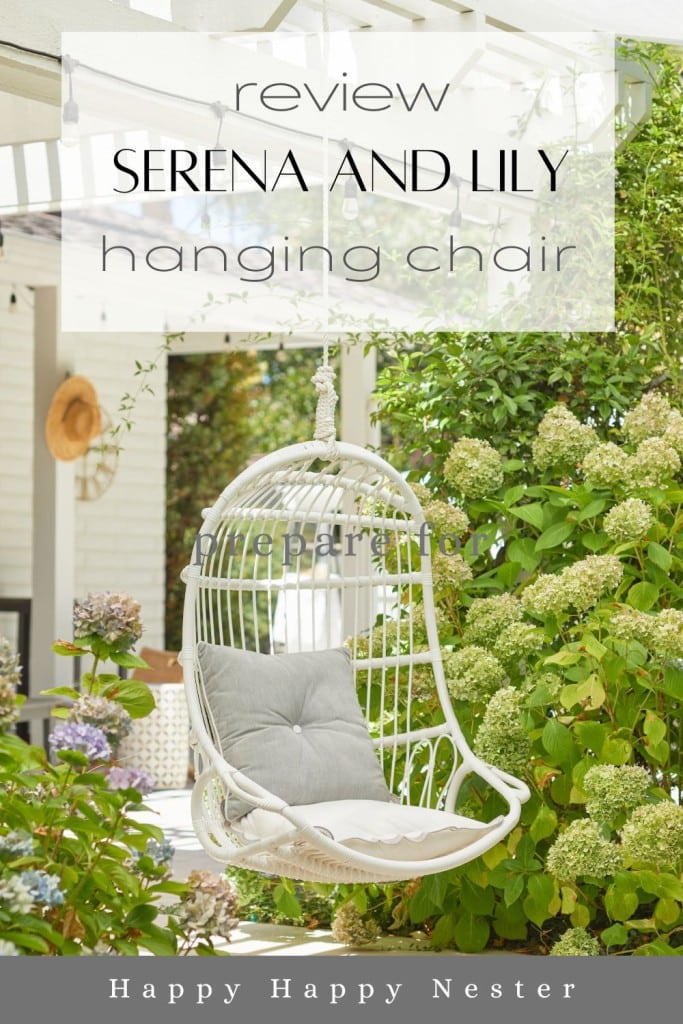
pixel 87 739
pixel 161 853
pixel 130 778
pixel 114 618
pixel 17 843
pixel 43 888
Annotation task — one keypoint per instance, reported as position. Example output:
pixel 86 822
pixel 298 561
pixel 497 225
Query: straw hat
pixel 73 419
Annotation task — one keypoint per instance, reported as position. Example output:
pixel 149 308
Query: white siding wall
pixel 119 537
pixel 16 444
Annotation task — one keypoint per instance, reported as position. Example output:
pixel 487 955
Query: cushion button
pixel 296 728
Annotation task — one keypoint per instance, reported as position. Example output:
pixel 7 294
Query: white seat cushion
pixel 386 830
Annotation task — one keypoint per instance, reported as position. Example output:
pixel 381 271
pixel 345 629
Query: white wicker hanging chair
pixel 232 596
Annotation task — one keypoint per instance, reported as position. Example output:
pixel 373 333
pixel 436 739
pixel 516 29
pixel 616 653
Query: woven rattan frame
pixel 232 587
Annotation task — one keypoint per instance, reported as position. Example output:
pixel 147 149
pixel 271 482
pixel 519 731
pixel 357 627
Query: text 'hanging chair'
pixel 314 545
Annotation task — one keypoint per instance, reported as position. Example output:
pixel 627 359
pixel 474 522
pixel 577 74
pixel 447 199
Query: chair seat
pixel 385 830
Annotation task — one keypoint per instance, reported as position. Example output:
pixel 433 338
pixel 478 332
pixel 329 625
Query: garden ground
pixel 170 808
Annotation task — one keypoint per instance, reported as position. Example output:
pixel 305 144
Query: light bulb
pixel 12 308
pixel 454 222
pixel 219 158
pixel 70 129
pixel 350 202
pixel 350 209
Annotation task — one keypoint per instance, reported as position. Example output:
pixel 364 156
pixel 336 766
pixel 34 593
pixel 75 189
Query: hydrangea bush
pixel 80 874
pixel 563 655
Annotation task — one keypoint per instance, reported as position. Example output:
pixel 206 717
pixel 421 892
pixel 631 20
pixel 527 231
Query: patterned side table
pixel 159 743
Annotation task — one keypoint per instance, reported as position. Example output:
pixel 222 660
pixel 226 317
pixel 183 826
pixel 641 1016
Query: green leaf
pixel 160 944
pixel 593 646
pixel 659 556
pixel 510 922
pixel 436 887
pixel 672 685
pixel 521 551
pixel 620 905
pixel 444 931
pixel 471 934
pixel 615 935
pixel 591 693
pixel 476 899
pixel 514 887
pixel 664 885
pixel 140 916
pixel 563 658
pixel 125 947
pixel 73 757
pixel 594 541
pixel 541 894
pixel 616 751
pixel 643 595
pixel 544 824
pixel 568 898
pixel 513 494
pixel 658 947
pixel 591 734
pixel 422 905
pixel 592 509
pixel 532 514
pixel 494 856
pixel 286 902
pixel 557 741
pixel 654 728
pixel 554 536
pixel 667 912
pixel 135 697
pixel 28 941
pixel 126 659
pixel 580 916
pixel 66 649
pixel 61 691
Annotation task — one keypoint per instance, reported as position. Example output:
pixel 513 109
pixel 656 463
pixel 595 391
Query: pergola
pixel 31 194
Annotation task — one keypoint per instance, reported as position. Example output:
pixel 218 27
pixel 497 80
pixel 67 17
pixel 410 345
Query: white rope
pixel 323 378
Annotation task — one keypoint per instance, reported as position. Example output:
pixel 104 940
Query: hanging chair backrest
pixel 303 551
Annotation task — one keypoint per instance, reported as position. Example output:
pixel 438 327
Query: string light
pixel 205 222
pixel 455 219
pixel 2 243
pixel 70 112
pixel 12 307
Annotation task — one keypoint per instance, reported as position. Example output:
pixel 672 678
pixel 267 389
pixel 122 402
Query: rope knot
pixel 323 378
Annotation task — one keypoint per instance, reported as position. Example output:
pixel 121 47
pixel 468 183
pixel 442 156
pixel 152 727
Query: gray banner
pixel 469 990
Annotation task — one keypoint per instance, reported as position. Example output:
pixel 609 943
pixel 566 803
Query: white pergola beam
pixel 219 16
pixel 38 25
pixel 30 77
pixel 28 68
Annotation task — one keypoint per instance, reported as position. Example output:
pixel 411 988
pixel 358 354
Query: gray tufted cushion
pixel 291 723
